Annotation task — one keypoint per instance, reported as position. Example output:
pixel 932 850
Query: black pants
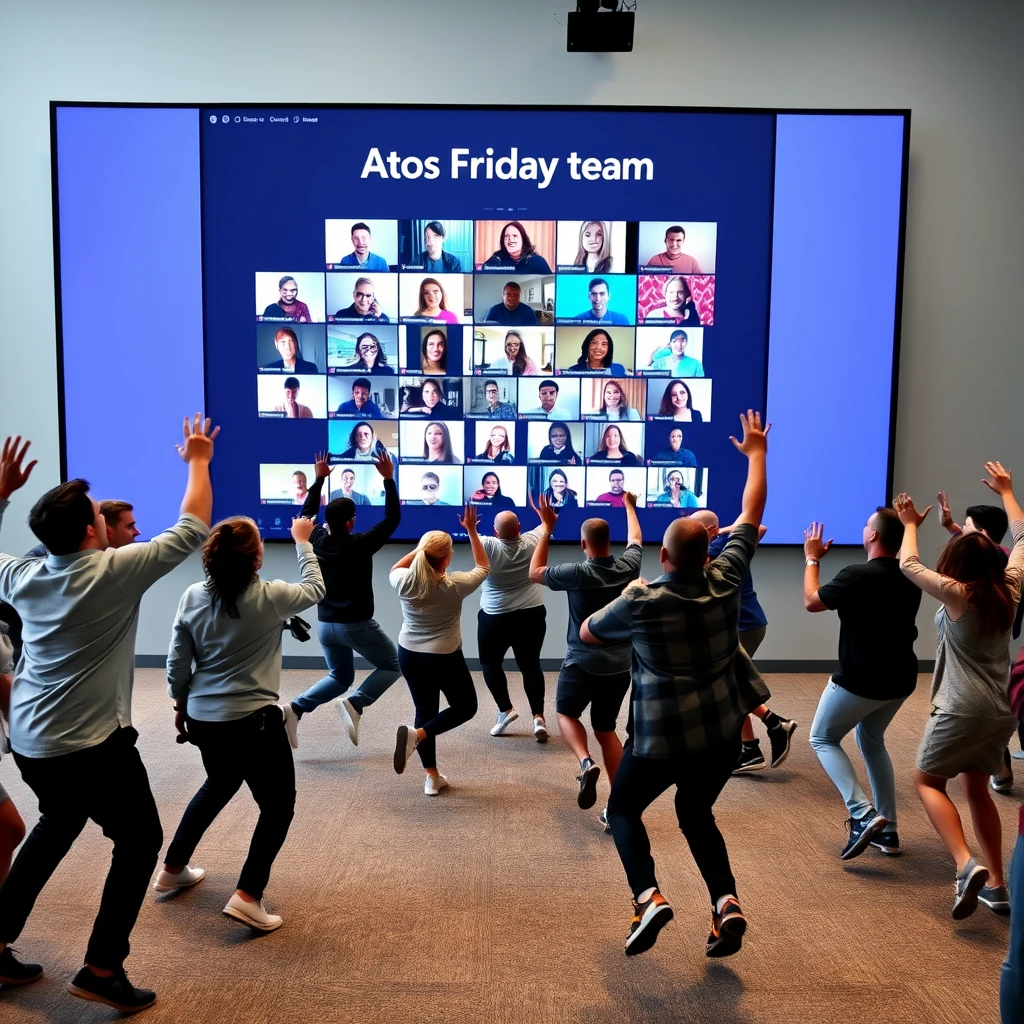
pixel 428 676
pixel 523 631
pixel 253 750
pixel 107 784
pixel 698 781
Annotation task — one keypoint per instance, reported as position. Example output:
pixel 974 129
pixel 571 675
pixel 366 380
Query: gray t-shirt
pixel 508 587
pixel 590 585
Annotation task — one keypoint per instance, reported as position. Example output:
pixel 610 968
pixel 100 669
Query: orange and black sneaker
pixel 727 927
pixel 649 918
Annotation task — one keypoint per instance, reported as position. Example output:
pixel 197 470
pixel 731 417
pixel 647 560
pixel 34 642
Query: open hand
pixel 1001 479
pixel 909 516
pixel 12 475
pixel 468 522
pixel 323 467
pixel 814 547
pixel 629 498
pixel 302 529
pixel 755 439
pixel 547 515
pixel 944 511
pixel 198 444
pixel 384 464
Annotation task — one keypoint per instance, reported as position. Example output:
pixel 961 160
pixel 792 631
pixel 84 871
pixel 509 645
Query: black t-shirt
pixel 877 608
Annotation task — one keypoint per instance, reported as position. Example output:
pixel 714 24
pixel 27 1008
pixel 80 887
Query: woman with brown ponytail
pixel 223 673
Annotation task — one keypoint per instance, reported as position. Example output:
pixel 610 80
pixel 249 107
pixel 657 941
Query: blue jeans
pixel 339 640
pixel 1011 984
pixel 839 711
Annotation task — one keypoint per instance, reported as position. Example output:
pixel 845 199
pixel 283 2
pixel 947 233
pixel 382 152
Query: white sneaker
pixel 434 785
pixel 291 724
pixel 505 719
pixel 350 717
pixel 405 744
pixel 540 730
pixel 189 876
pixel 253 914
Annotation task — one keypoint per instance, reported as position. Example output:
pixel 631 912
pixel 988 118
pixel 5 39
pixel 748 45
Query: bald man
pixel 512 615
pixel 753 625
pixel 589 677
pixel 693 685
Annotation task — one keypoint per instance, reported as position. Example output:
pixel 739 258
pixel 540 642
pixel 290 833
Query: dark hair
pixel 230 555
pixel 488 382
pixel 675 334
pixel 442 302
pixel 666 399
pixel 976 561
pixel 594 281
pixel 584 359
pixel 622 439
pixel 512 284
pixel 430 382
pixel 623 407
pixel 612 473
pixel 436 226
pixel 62 515
pixel 559 425
pixel 447 455
pixel 668 476
pixel 348 469
pixel 528 246
pixel 990 518
pixel 111 511
pixel 566 494
pixel 359 226
pixel 352 443
pixel 519 366
pixel 675 229
pixel 291 382
pixel 338 513
pixel 444 348
pixel 380 359
pixel 284 280
pixel 360 382
pixel 889 528
pixel 547 384
pixel 496 477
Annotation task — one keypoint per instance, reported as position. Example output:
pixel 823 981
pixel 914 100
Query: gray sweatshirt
pixel 227 668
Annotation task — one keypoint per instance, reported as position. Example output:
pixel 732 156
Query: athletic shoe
pixel 751 759
pixel 603 818
pixel 1001 783
pixel 505 719
pixel 887 842
pixel 116 991
pixel 540 730
pixel 434 784
pixel 189 876
pixel 405 744
pixel 969 884
pixel 253 914
pixel 291 724
pixel 649 918
pixel 728 926
pixel 861 832
pixel 14 972
pixel 996 898
pixel 1018 755
pixel 587 779
pixel 350 717
pixel 780 735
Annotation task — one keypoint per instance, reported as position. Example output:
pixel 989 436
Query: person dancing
pixel 430 644
pixel 971 722
pixel 223 673
pixel 346 617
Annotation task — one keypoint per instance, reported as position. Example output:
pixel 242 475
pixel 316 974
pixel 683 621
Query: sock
pixel 298 711
pixel 771 720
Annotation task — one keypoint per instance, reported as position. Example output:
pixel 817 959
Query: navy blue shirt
pixel 751 613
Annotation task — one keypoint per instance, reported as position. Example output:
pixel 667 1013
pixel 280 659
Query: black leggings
pixel 523 631
pixel 428 676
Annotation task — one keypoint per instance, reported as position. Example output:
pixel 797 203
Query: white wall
pixel 957 67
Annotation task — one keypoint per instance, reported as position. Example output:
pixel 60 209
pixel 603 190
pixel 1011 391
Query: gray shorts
pixel 952 744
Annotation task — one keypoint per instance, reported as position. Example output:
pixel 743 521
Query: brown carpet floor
pixel 501 901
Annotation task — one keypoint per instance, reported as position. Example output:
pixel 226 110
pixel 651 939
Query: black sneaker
pixel 862 830
pixel 751 759
pixel 969 883
pixel 649 918
pixel 727 929
pixel 887 842
pixel 14 972
pixel 587 779
pixel 116 991
pixel 780 735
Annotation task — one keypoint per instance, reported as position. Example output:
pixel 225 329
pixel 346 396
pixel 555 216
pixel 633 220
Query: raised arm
pixel 754 445
pixel 468 523
pixel 12 475
pixel 404 562
pixel 633 532
pixel 814 551
pixel 197 451
pixel 951 593
pixel 311 506
pixel 378 534
pixel 946 517
pixel 1001 481
pixel 539 558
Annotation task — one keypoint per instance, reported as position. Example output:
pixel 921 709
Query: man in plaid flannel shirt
pixel 692 688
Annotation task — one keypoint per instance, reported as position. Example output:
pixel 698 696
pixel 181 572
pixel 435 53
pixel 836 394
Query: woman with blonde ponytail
pixel 430 643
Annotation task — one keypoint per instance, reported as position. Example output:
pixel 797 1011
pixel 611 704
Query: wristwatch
pixel 811 561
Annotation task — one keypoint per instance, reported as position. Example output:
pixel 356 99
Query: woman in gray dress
pixel 971 721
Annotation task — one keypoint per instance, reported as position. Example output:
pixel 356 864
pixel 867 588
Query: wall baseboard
pixel 547 664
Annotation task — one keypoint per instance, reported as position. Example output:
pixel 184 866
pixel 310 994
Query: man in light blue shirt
pixel 361 256
pixel 676 360
pixel 70 722
pixel 599 313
